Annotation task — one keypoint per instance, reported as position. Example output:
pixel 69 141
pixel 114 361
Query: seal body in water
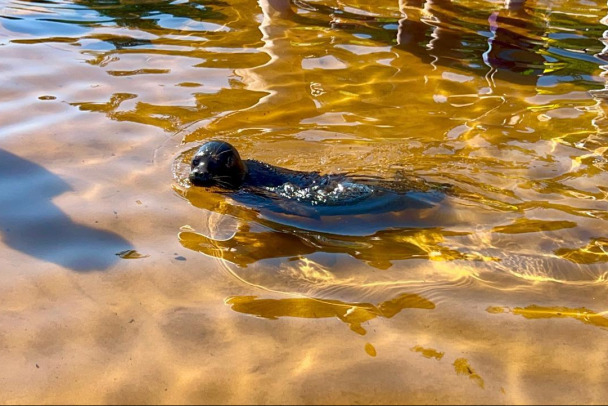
pixel 309 194
pixel 218 163
pixel 328 203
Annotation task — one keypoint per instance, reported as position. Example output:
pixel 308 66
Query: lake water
pixel 122 283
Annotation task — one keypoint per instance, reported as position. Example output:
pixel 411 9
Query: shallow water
pixel 122 283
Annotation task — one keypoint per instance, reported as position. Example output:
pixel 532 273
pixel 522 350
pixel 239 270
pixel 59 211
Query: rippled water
pixel 123 283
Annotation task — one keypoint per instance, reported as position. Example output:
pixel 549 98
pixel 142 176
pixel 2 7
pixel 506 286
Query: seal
pixel 333 204
pixel 218 163
pixel 255 183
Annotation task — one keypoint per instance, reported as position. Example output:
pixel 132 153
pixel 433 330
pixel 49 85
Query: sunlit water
pixel 463 260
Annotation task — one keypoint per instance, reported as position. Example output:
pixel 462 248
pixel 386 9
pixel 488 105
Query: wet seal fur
pixel 218 163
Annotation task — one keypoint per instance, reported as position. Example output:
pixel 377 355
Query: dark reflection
pixel 514 42
pixel 515 46
pixel 353 314
pixel 145 14
pixel 33 225
pixel 506 43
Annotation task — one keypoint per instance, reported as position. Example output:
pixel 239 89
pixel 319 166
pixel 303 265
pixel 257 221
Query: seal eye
pixel 196 162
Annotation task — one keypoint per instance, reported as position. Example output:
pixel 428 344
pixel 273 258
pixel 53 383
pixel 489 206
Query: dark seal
pixel 255 183
pixel 340 203
pixel 217 163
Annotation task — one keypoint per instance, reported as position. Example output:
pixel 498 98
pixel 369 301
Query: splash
pixel 326 192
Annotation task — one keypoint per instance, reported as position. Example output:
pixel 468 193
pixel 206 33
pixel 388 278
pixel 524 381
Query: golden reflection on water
pixel 462 367
pixel 593 252
pixel 246 248
pixel 428 352
pixel 353 314
pixel 369 348
pixel 543 312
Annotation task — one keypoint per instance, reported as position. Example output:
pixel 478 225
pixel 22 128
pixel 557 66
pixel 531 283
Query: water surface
pixel 122 283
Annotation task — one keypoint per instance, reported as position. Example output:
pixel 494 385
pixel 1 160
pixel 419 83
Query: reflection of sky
pixel 36 25
pixel 185 24
pixel 549 80
pixel 101 45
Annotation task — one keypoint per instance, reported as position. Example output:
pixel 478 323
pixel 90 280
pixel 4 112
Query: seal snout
pixel 200 177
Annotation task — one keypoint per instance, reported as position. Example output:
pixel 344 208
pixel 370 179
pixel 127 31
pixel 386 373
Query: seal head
pixel 217 163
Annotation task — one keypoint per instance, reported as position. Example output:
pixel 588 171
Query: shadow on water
pixel 33 225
